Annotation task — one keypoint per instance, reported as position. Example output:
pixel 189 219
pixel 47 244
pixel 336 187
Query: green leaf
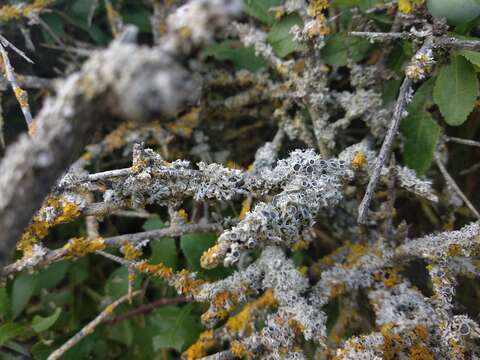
pixel 4 303
pixel 456 90
pixel 164 251
pixel 259 9
pixel 22 290
pixel 153 223
pixel 40 350
pixel 240 56
pixel 117 284
pixel 280 38
pixel 9 331
pixel 177 327
pixel 421 134
pixel 40 324
pixel 51 276
pixel 341 48
pixel 472 56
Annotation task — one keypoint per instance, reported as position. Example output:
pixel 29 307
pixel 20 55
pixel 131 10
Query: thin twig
pixel 398 112
pixel 20 94
pixel 89 328
pixel 462 141
pixel 451 182
pixel 146 308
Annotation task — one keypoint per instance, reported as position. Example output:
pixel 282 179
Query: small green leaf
pixel 240 56
pixel 153 223
pixel 176 327
pixel 164 251
pixel 4 303
pixel 51 276
pixel 260 9
pixel 22 290
pixel 456 90
pixel 9 331
pixel 472 56
pixel 421 134
pixel 280 38
pixel 117 284
pixel 341 48
pixel 41 324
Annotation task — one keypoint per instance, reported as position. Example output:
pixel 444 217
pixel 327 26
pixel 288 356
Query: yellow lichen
pixel 78 247
pixel 14 12
pixel 455 250
pixel 64 211
pixel 130 252
pixel 157 270
pixel 359 161
pixel 392 342
pixel 199 349
pixel 182 213
pixel 356 252
pixel 421 332
pixel 392 278
pixel 419 352
pixel 239 350
pixel 22 97
pixel 210 258
pixel 316 7
pixel 241 323
pixel 246 206
pixel 296 326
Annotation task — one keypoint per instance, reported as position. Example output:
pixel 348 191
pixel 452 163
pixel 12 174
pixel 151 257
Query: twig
pixel 462 141
pixel 172 231
pixel 20 94
pixel 398 112
pixel 89 328
pixel 146 308
pixel 451 182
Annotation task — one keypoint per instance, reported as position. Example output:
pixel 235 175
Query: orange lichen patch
pixel 296 326
pixel 117 138
pixel 359 161
pixel 211 317
pixel 356 252
pixel 185 124
pixel 199 349
pixel 246 206
pixel 241 323
pixel 392 278
pixel 78 247
pixel 186 284
pixel 182 213
pixel 22 97
pixel 64 211
pixel 419 352
pixel 316 7
pixel 13 12
pixel 300 245
pixel 130 252
pixel 392 343
pixel 239 350
pixel 211 257
pixel 421 332
pixel 87 156
pixel 455 250
pixel 157 270
pixel 224 297
pixel 318 27
pixel 337 290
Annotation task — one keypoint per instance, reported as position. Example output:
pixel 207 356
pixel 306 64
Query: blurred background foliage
pixel 40 311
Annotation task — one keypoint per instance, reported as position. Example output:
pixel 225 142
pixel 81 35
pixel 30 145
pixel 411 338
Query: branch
pixel 89 328
pixel 398 112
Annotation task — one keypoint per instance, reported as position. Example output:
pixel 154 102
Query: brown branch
pixel 146 308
